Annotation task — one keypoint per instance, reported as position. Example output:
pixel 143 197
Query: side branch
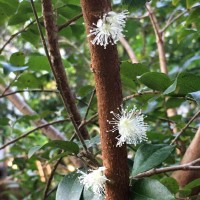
pixel 185 167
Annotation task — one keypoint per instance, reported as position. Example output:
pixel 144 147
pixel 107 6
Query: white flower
pixel 94 180
pixel 108 30
pixel 131 126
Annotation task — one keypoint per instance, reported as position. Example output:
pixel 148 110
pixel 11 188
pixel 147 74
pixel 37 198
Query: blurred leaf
pixel 192 184
pixel 184 83
pixel 17 59
pixel 196 96
pixel 175 2
pixel 174 102
pixel 9 6
pixel 150 189
pixel 70 147
pixel 171 184
pixel 4 121
pixel 155 80
pixel 38 63
pixel 11 68
pixel 85 90
pixel 149 156
pixel 131 71
pixel 69 188
pixel 28 80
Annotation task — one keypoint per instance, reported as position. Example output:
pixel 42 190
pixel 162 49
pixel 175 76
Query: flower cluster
pixel 108 30
pixel 95 180
pixel 131 126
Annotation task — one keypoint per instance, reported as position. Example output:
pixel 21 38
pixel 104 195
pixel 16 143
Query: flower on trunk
pixel 95 180
pixel 108 30
pixel 131 126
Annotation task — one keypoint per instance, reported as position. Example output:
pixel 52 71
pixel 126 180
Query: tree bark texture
pixel 192 153
pixel 57 66
pixel 105 66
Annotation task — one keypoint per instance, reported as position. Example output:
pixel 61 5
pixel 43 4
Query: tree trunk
pixel 105 66
pixel 192 153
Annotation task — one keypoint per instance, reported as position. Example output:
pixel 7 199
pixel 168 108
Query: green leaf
pixel 156 80
pixel 7 67
pixel 171 88
pixel 38 63
pixel 4 121
pixel 27 80
pixel 149 156
pixel 175 2
pixel 9 6
pixel 17 59
pixel 134 4
pixel 196 96
pixel 67 146
pixel 131 71
pixel 171 184
pixel 150 189
pixel 32 151
pixel 192 184
pixel 69 188
pixel 184 83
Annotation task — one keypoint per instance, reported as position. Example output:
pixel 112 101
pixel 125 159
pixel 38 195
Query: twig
pixel 188 166
pixel 29 90
pixel 172 20
pixel 8 87
pixel 15 35
pixel 67 23
pixel 51 191
pixel 129 50
pixel 159 40
pixel 89 104
pixel 50 179
pixel 138 17
pixel 31 131
pixel 185 127
pixel 139 94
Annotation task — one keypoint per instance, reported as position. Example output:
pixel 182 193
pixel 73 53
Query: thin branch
pixel 29 90
pixel 185 127
pixel 139 94
pixel 159 40
pixel 89 104
pixel 188 166
pixel 57 66
pixel 129 50
pixel 138 17
pixel 15 35
pixel 67 23
pixel 8 87
pixel 31 131
pixel 172 20
pixel 50 179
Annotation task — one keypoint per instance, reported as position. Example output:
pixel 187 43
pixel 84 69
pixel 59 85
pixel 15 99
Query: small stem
pixel 31 131
pixel 185 127
pixel 187 166
pixel 50 179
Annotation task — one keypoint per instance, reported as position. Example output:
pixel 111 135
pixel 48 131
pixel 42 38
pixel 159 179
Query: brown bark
pixel 105 66
pixel 58 68
pixel 192 153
